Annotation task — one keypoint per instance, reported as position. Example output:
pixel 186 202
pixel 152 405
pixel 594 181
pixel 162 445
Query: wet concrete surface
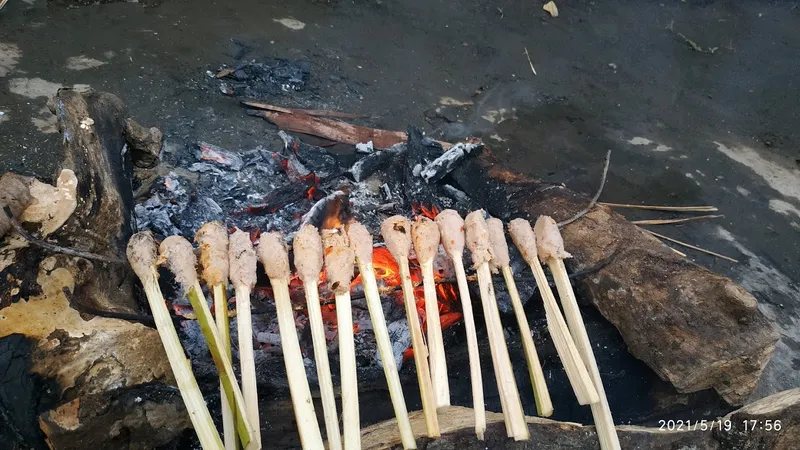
pixel 717 126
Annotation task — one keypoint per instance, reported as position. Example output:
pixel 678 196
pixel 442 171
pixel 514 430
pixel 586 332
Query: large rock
pixel 694 328
pixel 139 418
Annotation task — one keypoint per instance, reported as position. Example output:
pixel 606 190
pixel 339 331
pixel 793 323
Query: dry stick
pixel 396 231
pixel 178 254
pixel 212 238
pixel 242 260
pixel 550 247
pixel 361 243
pixel 142 257
pixel 339 260
pixel 275 259
pixel 673 221
pixel 500 258
pixel 451 228
pixel 425 236
pixel 596 195
pixel 524 238
pixel 693 247
pixel 663 208
pixel 308 261
pixel 479 245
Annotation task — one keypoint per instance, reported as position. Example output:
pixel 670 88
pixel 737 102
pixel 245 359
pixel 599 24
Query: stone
pixel 144 144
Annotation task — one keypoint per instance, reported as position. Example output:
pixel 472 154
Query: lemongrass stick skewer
pixel 501 260
pixel 178 254
pixel 425 236
pixel 478 243
pixel 451 229
pixel 308 260
pixel 339 261
pixel 525 240
pixel 361 243
pixel 275 259
pixel 396 232
pixel 243 262
pixel 550 246
pixel 141 254
pixel 212 238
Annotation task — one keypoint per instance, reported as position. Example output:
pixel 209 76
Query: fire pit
pixel 646 310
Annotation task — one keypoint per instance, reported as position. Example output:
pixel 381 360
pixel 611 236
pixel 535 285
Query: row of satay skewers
pixel 234 258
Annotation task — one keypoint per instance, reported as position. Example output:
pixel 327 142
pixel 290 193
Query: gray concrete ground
pixel 697 100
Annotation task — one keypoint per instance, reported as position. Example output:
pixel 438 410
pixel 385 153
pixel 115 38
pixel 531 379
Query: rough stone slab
pixel 694 328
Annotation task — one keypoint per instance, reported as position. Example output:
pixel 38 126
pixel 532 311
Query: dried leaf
pixel 551 8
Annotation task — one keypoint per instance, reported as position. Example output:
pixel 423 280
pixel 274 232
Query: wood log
pixel 52 352
pixel 781 410
pixel 694 328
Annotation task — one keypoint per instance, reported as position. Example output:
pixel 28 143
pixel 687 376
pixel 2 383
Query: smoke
pixel 492 108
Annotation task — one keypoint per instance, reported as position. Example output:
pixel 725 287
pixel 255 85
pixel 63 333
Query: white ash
pixel 444 164
pixel 417 170
pixel 366 148
pixel 400 336
pixel 266 337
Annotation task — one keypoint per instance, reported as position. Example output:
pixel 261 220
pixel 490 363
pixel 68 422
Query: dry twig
pixel 594 199
pixel 662 208
pixel 693 247
pixel 674 221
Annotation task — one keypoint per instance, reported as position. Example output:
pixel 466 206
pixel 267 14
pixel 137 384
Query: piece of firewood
pixel 308 260
pixel 339 260
pixel 500 258
pixel 425 236
pixel 550 247
pixel 178 254
pixel 361 243
pixel 396 232
pixel 451 228
pixel 477 239
pixel 142 256
pixel 524 238
pixel 275 259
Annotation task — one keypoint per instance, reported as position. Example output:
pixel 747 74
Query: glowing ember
pixel 420 209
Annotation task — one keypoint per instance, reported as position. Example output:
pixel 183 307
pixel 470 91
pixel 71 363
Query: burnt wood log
pixel 53 355
pixel 774 424
pixel 694 328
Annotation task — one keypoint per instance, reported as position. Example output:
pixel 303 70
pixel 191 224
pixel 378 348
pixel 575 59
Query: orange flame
pixel 421 209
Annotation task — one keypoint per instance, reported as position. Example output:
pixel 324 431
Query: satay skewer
pixel 178 254
pixel 550 246
pixel 501 260
pixel 478 243
pixel 361 243
pixel 523 236
pixel 339 260
pixel 425 236
pixel 142 255
pixel 396 232
pixel 242 260
pixel 275 259
pixel 451 229
pixel 212 239
pixel 308 261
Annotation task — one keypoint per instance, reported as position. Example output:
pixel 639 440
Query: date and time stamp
pixel 746 425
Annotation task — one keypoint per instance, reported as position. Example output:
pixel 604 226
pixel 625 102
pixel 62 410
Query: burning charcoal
pixel 366 166
pixel 329 212
pixel 317 159
pixel 282 196
pixel 220 156
pixel 445 164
